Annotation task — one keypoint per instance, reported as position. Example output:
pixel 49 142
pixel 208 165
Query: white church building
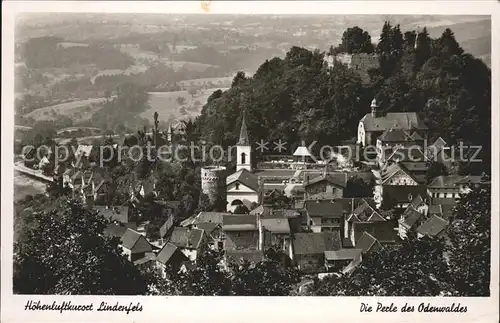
pixel 242 187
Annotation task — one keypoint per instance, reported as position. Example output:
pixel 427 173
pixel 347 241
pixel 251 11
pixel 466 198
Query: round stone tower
pixel 213 182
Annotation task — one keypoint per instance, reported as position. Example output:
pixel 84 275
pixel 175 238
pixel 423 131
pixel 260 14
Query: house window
pixel 243 158
pixel 310 222
pixel 237 186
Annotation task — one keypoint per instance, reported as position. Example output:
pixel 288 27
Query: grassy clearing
pixel 167 105
pixel 76 110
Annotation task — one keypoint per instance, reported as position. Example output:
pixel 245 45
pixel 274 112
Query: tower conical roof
pixel 243 141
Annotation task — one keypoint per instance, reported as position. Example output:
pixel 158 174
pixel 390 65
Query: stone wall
pixel 361 62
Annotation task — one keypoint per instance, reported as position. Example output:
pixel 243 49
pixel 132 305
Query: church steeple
pixel 243 148
pixel 243 141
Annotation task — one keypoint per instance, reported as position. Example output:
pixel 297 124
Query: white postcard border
pixel 240 309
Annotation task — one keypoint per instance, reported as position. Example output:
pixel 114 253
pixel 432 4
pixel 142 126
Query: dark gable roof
pixel 244 177
pixel 317 242
pixel 114 230
pixel 448 181
pixel 394 135
pixel 239 223
pixel 130 239
pixel 383 231
pixel 276 225
pixel 328 208
pixel 417 201
pixel 401 120
pixel 337 179
pixel 403 193
pixel 207 227
pixel 433 226
pixel 113 213
pixel 442 210
pixel 410 217
pixel 167 252
pixel 205 217
pixel 367 243
pixel 186 238
pixel 365 211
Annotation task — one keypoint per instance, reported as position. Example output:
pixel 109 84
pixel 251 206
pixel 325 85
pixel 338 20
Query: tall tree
pixel 64 251
pixel 447 45
pixel 417 268
pixel 269 277
pixel 384 44
pixel 208 278
pixel 356 40
pixel 423 47
pixel 469 246
pixel 238 79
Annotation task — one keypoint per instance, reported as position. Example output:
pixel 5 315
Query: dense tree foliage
pixel 288 99
pixel 355 40
pixel 359 187
pixel 416 267
pixel 130 101
pixel 469 243
pixel 295 99
pixel 269 277
pixel 48 52
pixel 457 263
pixel 64 251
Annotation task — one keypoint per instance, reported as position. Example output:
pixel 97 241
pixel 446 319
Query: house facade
pixel 325 186
pixel 135 246
pixel 242 188
pixel 374 124
pixel 327 215
pixel 189 240
pixel 241 232
pixel 309 249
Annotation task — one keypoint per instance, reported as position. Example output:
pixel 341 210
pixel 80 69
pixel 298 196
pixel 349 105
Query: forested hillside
pixel 296 98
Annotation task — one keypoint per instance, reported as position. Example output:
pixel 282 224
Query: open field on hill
pixel 134 69
pixel 216 81
pixel 167 106
pixel 76 110
pixel 190 66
